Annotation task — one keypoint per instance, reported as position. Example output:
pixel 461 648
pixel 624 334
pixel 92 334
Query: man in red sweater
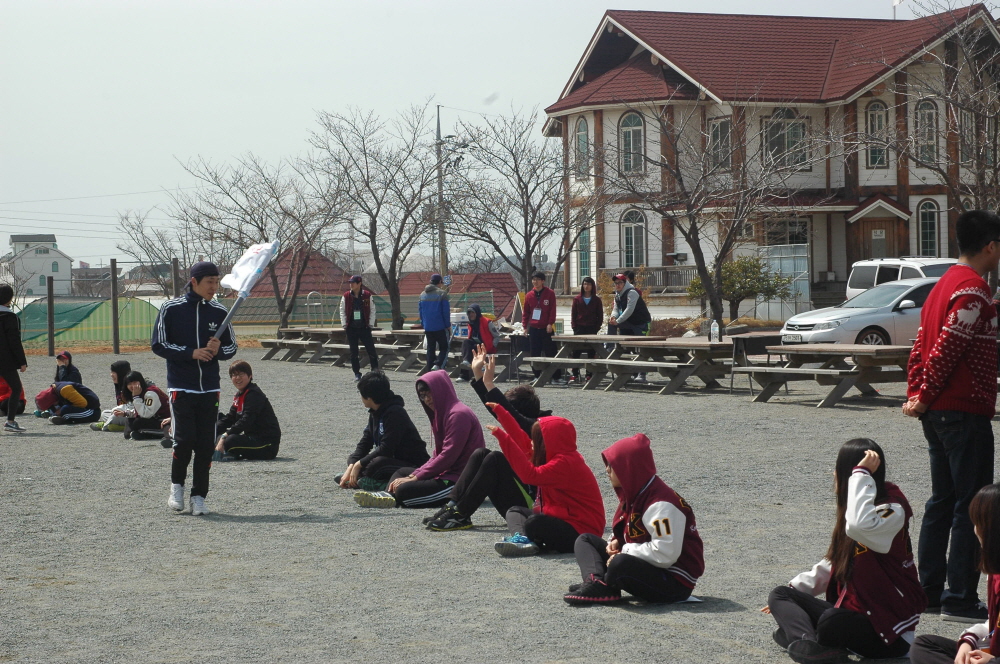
pixel 539 320
pixel 952 388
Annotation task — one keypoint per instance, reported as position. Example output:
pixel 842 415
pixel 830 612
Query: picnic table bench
pixel 871 364
pixel 696 357
pixel 568 344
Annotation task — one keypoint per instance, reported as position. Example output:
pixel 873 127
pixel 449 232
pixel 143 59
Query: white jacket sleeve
pixel 372 314
pixel 874 526
pixel 665 525
pixel 148 405
pixel 815 581
pixel 343 311
pixel 977 636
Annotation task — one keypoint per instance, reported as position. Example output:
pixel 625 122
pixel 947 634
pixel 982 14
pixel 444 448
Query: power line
pixel 80 214
pixel 75 223
pixel 80 198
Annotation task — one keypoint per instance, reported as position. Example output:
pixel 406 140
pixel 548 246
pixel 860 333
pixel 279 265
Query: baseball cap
pixel 203 269
pixel 435 278
pixel 356 279
pixel 64 355
pixel 620 277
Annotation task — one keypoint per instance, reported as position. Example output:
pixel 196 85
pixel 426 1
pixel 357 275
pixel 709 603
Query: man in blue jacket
pixel 184 336
pixel 435 316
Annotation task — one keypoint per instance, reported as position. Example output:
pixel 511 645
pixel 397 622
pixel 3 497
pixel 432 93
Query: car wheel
pixel 873 336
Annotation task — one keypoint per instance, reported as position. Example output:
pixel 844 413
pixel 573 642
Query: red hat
pixel 64 355
pixel 620 277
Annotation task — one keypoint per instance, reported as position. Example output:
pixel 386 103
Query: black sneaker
pixel 595 592
pixel 974 614
pixel 780 638
pixel 575 587
pixel 450 520
pixel 57 419
pixel 805 651
pixel 337 478
pixel 166 442
pixel 427 520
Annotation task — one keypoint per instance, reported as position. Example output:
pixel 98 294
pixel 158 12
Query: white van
pixel 869 273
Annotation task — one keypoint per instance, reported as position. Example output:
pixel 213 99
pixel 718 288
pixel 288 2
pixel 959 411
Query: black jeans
pixel 802 616
pixel 18 406
pixel 13 378
pixel 488 475
pixel 363 335
pixel 961 454
pixel 193 418
pixel 933 649
pixel 420 493
pixel 136 428
pixel 250 447
pixel 437 349
pixel 548 532
pixel 541 345
pixel 382 468
pixel 629 573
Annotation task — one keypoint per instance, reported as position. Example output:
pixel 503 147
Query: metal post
pixel 115 345
pixel 175 276
pixel 442 241
pixel 50 315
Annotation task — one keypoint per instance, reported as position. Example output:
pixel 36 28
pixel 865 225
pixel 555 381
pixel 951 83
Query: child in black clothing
pixel 389 442
pixel 250 428
pixel 66 372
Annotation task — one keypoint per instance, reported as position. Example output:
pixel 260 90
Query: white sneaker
pixel 198 506
pixel 176 500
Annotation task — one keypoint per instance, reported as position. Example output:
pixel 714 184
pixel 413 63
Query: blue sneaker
pixel 516 545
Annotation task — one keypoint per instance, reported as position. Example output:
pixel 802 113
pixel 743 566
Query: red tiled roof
pixel 635 80
pixel 737 57
pixel 879 199
pixel 321 275
pixel 502 284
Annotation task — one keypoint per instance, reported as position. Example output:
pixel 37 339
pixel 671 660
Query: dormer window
pixel 582 149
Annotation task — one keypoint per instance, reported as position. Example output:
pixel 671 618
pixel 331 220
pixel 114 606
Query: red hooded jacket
pixel 457 431
pixel 567 488
pixel 5 392
pixel 653 522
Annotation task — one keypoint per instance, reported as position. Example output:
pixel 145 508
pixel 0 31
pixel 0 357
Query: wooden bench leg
pixel 411 359
pixel 595 380
pixel 838 392
pixel 544 377
pixel 316 357
pixel 618 382
pixel 271 352
pixel 768 390
pixel 678 379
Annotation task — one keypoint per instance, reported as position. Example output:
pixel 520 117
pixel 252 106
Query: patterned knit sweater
pixel 953 364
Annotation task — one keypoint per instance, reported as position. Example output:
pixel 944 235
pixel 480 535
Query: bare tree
pixel 716 185
pixel 251 202
pixel 479 258
pixel 386 169
pixel 154 247
pixel 508 194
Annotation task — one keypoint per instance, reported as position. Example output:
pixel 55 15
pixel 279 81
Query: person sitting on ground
pixel 251 429
pixel 655 553
pixel 873 596
pixel 5 399
pixel 457 434
pixel 148 408
pixel 389 442
pixel 66 371
pixel 482 332
pixel 114 420
pixel 569 501
pixel 488 473
pixel 70 403
pixel 976 644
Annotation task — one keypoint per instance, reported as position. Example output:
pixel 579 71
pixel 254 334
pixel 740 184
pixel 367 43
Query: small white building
pixel 31 260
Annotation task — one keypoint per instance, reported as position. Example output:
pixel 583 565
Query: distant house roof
pixel 321 275
pixel 502 284
pixel 32 238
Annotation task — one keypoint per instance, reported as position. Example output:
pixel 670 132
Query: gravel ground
pixel 96 568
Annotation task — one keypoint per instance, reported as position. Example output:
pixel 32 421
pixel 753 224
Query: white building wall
pixel 32 268
pixel 914 205
pixel 840 247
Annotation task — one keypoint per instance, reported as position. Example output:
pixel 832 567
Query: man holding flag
pixel 193 333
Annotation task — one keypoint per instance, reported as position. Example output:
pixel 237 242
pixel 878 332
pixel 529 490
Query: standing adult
pixel 587 315
pixel 12 359
pixel 357 315
pixel 435 316
pixel 184 335
pixel 630 314
pixel 952 389
pixel 539 318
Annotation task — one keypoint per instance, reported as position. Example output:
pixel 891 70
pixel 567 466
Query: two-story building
pixel 807 77
pixel 31 260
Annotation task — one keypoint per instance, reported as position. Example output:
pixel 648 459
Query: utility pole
pixel 443 248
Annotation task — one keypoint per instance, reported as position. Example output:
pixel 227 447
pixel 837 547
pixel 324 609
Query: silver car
pixel 886 314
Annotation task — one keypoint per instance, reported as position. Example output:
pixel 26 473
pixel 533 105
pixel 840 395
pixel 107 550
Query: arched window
pixel 633 230
pixel 877 124
pixel 582 149
pixel 630 143
pixel 925 131
pixel 927 238
pixel 55 266
pixel 41 280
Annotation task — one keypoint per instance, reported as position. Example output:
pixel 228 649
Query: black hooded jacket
pixel 390 433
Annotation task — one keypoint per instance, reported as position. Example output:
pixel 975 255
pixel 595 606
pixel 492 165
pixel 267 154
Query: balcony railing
pixel 667 279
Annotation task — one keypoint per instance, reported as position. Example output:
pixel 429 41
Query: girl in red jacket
pixel 873 597
pixel 568 503
pixel 978 642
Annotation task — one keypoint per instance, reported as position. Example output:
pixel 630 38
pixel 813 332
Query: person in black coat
pixel 66 372
pixel 12 358
pixel 389 442
pixel 251 429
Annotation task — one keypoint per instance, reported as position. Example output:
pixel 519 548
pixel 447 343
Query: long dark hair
pixel 538 454
pixel 841 551
pixel 984 512
pixel 593 286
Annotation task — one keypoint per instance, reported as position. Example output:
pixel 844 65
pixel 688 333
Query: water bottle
pixel 714 335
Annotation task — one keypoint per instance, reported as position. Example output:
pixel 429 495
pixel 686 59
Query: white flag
pixel 896 2
pixel 249 267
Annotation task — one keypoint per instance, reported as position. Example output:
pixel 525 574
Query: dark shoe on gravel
pixel 780 638
pixel 971 615
pixel 595 592
pixel 427 520
pixel 805 651
pixel 451 520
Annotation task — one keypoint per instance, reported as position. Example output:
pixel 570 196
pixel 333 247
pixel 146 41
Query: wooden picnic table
pixel 871 364
pixel 694 357
pixel 569 343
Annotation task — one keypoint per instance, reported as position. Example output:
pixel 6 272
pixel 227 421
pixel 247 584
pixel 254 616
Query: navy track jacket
pixel 184 325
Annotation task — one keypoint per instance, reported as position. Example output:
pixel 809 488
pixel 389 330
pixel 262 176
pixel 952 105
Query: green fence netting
pixel 89 320
pixel 34 317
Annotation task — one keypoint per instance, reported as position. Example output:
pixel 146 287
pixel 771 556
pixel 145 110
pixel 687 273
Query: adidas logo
pixel 213 326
